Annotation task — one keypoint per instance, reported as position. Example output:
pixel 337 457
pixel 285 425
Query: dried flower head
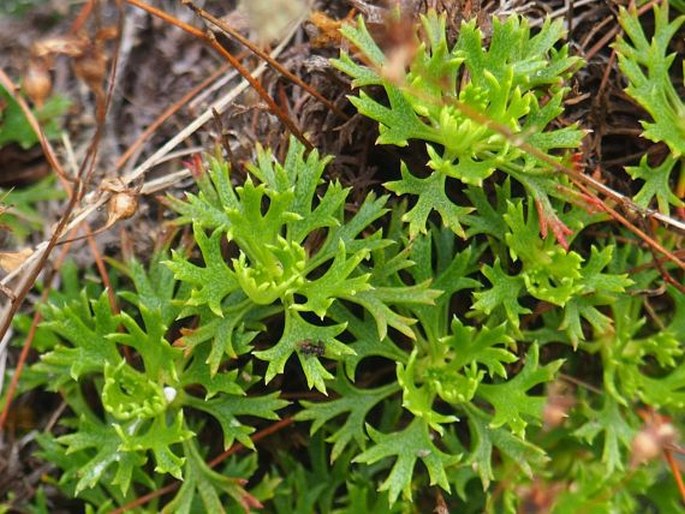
pixel 271 19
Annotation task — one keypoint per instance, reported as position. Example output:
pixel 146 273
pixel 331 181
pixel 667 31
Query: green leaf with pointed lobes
pixel 296 333
pixel 513 406
pixel 407 447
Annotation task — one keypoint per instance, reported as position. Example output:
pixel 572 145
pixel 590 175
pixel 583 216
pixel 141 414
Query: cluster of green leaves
pixel 19 7
pixel 462 102
pixel 430 333
pixel 20 207
pixel 147 391
pixel 516 85
pixel 647 64
pixel 15 128
pixel 295 253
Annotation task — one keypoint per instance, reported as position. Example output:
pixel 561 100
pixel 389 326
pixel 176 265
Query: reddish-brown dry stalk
pixel 209 39
pixel 27 281
pixel 668 455
pixel 82 16
pixel 28 342
pixel 225 27
pixel 48 151
pixel 73 187
pixel 611 34
pixel 102 270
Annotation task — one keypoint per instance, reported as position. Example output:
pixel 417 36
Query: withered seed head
pixel 651 440
pixel 122 206
pixel 37 83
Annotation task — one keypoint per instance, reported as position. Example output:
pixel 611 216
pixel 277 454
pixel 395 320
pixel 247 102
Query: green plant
pixel 435 336
pixel 19 7
pixel 647 66
pixel 144 405
pixel 15 128
pixel 516 83
pixel 20 214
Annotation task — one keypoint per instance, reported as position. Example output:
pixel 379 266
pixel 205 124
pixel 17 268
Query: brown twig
pixel 28 342
pixel 94 201
pixel 82 16
pixel 668 455
pixel 614 31
pixel 102 270
pixel 87 167
pixel 48 151
pixel 73 186
pixel 222 137
pixel 29 278
pixel 230 31
pixel 209 39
